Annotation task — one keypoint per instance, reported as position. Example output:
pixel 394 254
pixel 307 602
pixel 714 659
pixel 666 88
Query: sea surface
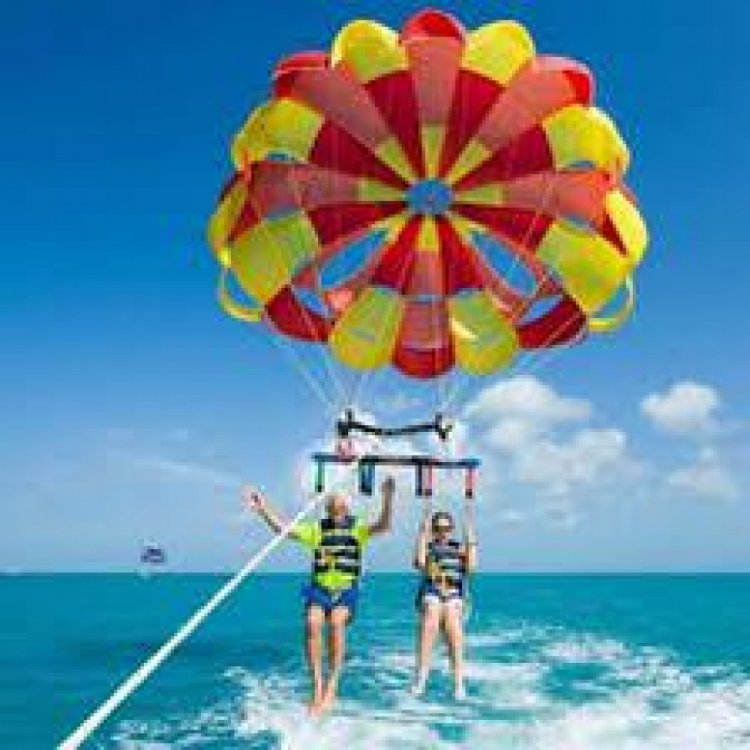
pixel 554 662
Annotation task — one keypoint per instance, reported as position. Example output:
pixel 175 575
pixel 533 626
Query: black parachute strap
pixel 348 424
pixel 320 476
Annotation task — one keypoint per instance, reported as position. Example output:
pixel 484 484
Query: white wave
pixel 703 719
pixel 585 650
pixel 278 710
pixel 525 634
pixel 525 693
pixel 646 701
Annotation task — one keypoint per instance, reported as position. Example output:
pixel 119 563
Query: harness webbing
pixel 349 423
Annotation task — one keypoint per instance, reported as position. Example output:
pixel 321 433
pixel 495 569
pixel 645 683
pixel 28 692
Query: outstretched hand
pixel 253 499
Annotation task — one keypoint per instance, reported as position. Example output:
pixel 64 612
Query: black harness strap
pixel 349 423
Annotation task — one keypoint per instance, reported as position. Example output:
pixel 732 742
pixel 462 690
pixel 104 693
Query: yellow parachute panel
pixel 265 258
pixel 579 134
pixel 370 49
pixel 498 50
pixel 282 126
pixel 483 339
pixel 590 268
pixel 629 224
pixel 365 335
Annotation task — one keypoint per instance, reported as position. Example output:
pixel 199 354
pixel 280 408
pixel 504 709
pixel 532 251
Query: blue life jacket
pixel 446 567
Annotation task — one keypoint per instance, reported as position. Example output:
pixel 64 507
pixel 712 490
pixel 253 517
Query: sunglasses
pixel 442 527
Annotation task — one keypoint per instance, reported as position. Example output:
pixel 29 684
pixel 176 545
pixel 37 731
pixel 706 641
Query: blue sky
pixel 131 407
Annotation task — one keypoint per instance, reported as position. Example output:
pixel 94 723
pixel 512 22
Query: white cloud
pixel 458 444
pixel 687 408
pixel 706 477
pixel 526 398
pixel 344 477
pixel 514 434
pixel 545 439
pixel 582 459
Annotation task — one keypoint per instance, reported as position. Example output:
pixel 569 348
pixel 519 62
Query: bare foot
pixel 419 685
pixel 313 707
pixel 459 692
pixel 329 696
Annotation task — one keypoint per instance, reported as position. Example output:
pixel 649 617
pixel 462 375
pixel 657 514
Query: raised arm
pixel 257 503
pixel 423 540
pixel 385 520
pixel 470 536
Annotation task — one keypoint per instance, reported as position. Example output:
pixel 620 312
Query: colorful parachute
pixel 377 191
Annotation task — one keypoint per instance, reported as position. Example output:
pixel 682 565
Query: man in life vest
pixel 337 543
pixel 445 564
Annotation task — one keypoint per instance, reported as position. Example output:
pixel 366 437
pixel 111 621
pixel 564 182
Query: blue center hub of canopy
pixel 430 197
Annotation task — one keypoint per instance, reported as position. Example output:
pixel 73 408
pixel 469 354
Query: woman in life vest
pixel 337 542
pixel 444 563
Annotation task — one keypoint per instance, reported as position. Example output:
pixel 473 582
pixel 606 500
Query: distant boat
pixel 151 555
pixel 152 558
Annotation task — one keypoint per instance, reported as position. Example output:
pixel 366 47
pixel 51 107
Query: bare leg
pixel 314 649
pixel 429 627
pixel 454 636
pixel 336 646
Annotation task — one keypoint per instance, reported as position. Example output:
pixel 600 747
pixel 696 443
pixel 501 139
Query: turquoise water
pixel 558 662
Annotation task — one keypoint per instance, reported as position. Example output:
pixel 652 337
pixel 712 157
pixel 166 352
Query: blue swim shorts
pixel 328 600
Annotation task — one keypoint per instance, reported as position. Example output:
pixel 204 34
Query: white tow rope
pixel 132 683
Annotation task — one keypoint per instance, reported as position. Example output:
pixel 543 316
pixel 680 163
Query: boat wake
pixel 529 687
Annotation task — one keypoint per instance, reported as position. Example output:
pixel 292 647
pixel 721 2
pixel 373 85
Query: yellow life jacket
pixel 337 560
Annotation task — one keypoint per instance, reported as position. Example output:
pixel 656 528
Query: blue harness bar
pixel 424 467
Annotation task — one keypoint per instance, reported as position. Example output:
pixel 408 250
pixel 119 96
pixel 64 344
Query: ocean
pixel 559 662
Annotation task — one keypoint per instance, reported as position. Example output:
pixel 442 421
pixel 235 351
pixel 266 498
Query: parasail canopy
pixel 430 199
